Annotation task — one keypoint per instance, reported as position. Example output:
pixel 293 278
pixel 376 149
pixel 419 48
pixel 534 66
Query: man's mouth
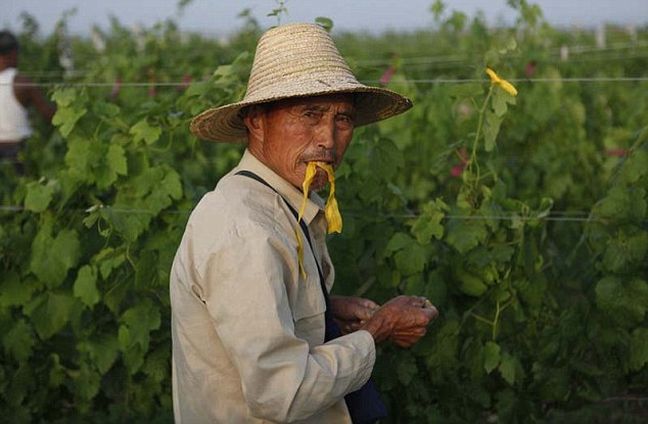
pixel 326 161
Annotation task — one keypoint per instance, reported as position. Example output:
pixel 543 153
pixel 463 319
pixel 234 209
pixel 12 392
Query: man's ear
pixel 254 121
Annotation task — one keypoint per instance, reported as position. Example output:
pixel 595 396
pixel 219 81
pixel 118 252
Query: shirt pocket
pixel 308 311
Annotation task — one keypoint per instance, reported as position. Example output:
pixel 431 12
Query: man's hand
pixel 351 312
pixel 404 320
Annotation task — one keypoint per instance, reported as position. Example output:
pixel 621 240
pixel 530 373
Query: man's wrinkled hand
pixel 403 320
pixel 351 312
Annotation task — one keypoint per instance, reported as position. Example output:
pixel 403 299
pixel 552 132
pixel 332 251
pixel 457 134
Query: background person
pixel 16 95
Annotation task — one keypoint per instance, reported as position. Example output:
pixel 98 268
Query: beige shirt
pixel 248 330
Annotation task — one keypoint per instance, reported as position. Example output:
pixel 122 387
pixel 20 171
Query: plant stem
pixel 480 124
pixel 495 320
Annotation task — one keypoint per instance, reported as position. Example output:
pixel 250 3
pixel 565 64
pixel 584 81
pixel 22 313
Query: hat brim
pixel 225 123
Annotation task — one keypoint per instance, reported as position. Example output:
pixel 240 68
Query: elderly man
pixel 256 336
pixel 16 95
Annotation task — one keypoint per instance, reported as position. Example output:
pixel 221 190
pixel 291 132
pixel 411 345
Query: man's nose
pixel 326 134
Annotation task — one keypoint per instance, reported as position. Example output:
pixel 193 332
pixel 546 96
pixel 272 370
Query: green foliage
pixel 514 215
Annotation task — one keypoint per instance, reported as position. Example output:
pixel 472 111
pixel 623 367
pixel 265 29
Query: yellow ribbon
pixel 331 210
pixel 497 80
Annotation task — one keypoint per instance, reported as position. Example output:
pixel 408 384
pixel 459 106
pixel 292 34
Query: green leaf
pixel 57 372
pixel 411 259
pixel 469 283
pixel 428 224
pixel 14 291
pixel 499 101
pixel 107 260
pixel 466 234
pixel 105 109
pixel 144 131
pixel 440 348
pixel 638 349
pixel 491 356
pixel 38 196
pixel 66 119
pixel 103 350
pixel 398 242
pixel 491 129
pixel 156 366
pixel 624 251
pixel 406 368
pixel 622 203
pixel 51 314
pixel 113 165
pixel 85 286
pixel 635 167
pixel 171 185
pixel 624 301
pixel 19 341
pixel 134 333
pixel 385 158
pixel 325 23
pixel 81 156
pixel 138 322
pixel 64 96
pixel 87 383
pixel 507 368
pixel 198 88
pixel 52 257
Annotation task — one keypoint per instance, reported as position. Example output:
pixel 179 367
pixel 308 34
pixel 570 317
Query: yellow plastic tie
pixel 497 80
pixel 331 210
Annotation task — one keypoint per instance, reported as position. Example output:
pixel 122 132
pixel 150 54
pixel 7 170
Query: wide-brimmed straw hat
pixel 297 60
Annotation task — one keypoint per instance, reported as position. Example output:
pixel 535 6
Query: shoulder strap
pixel 302 224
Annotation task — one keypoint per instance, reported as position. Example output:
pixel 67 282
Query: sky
pixel 219 17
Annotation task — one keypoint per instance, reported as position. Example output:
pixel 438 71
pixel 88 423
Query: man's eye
pixel 345 119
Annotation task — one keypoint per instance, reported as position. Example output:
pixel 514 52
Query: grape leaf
pixel 398 242
pixel 51 314
pixel 85 286
pixel 491 129
pixel 52 257
pixel 14 291
pixel 103 350
pixel 500 100
pixel 64 96
pixel 464 235
pixel 19 341
pixel 638 349
pixel 66 119
pixel 38 196
pixel 411 259
pixel 428 224
pixel 491 356
pixel 406 368
pixel 507 368
pixel 142 130
pixel 625 301
pixel 139 321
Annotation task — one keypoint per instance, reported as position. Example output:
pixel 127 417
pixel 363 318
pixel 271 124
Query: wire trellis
pixel 556 216
pixel 406 81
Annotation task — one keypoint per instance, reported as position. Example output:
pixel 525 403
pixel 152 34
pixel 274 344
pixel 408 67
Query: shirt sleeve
pixel 282 378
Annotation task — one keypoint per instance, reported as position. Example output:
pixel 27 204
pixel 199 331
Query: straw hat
pixel 297 60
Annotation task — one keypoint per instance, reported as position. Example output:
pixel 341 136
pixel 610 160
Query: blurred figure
pixel 16 95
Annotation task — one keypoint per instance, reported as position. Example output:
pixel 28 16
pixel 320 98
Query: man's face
pixel 297 131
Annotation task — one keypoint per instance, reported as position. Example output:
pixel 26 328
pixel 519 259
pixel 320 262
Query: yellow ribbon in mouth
pixel 331 210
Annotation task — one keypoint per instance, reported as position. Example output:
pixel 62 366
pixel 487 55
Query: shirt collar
pixel 290 193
